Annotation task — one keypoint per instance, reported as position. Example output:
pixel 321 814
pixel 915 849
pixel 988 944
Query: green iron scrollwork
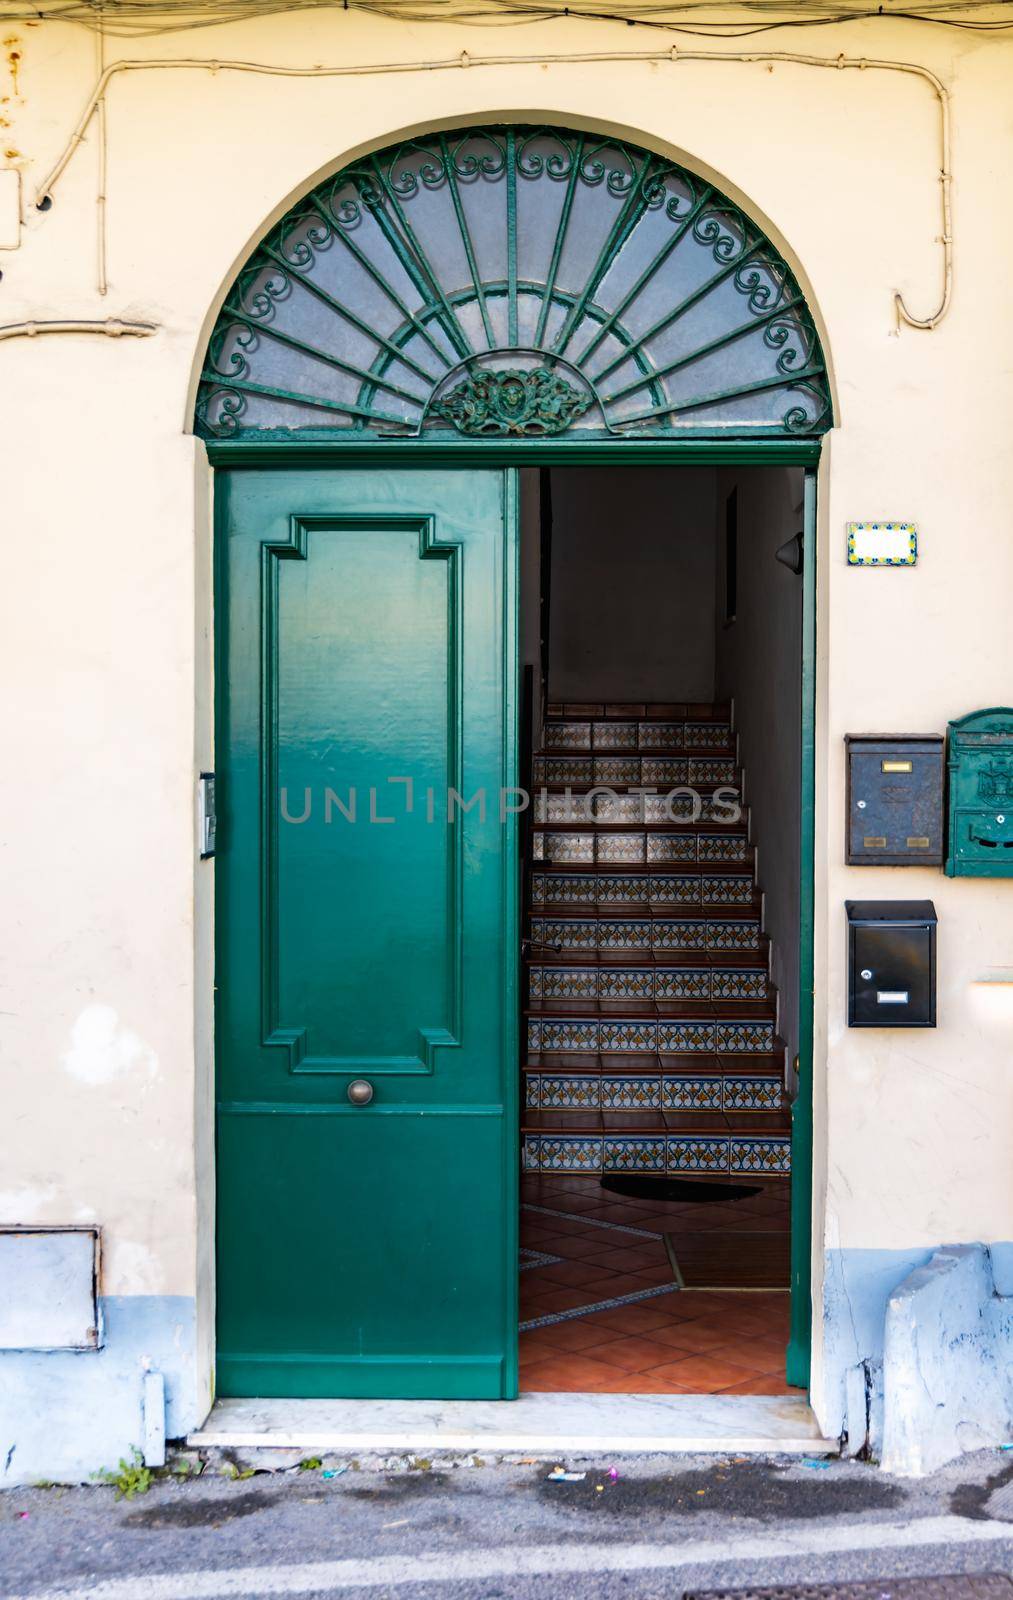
pixel 541 247
pixel 513 404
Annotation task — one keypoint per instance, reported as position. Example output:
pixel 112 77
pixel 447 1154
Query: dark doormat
pixel 959 1586
pixel 737 1259
pixel 679 1191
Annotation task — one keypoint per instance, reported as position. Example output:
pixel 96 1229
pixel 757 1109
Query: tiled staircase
pixel 650 1042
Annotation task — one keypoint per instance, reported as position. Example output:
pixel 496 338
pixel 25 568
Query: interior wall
pixel 529 644
pixel 632 584
pixel 757 665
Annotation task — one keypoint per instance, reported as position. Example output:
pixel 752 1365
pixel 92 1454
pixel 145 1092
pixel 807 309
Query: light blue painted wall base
pixel 65 1415
pixel 891 1326
pixel 947 1363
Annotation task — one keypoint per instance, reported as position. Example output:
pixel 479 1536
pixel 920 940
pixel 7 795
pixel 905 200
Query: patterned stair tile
pixel 770 1155
pixel 673 935
pixel 675 807
pixel 558 1033
pixel 707 735
pixel 567 735
pixel 668 770
pixel 564 1152
pixel 579 934
pixel 671 847
pixel 727 983
pixel 668 888
pixel 563 983
pixel 569 1092
pixel 681 1093
pixel 722 847
pixel 562 808
pixel 637 1035
pixel 630 934
pixel 615 736
pixel 704 1153
pixel 686 1038
pixel 712 770
pixel 729 889
pixel 727 811
pixel 617 769
pixel 563 769
pixel 616 889
pixel 751 1094
pixel 626 983
pixel 682 983
pixel 755 1038
pixel 733 935
pixel 634 1153
pixel 574 889
pixel 562 848
pixel 631 1093
pixel 619 810
pixel 661 735
pixel 624 848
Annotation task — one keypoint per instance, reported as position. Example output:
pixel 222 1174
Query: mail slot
pixel 895 799
pixel 891 964
pixel 980 828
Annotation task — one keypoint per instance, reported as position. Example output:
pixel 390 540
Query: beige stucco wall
pixel 106 1007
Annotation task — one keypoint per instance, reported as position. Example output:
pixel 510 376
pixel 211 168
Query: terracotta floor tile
pixel 575 1334
pixel 695 1338
pixel 609 1284
pixel 702 1373
pixel 567 1373
pixel 638 1383
pixel 562 1299
pixel 629 1260
pixel 636 1318
pixel 662 1273
pixel 531 1348
pixel 758 1384
pixel 633 1354
pixel 575 1246
pixel 572 1274
pixel 755 1355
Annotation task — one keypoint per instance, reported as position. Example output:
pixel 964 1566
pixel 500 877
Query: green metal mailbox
pixel 980 834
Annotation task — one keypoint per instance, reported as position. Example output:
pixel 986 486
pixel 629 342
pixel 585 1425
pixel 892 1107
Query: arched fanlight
pixel 514 281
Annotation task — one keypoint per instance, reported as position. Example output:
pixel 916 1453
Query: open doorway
pixel 661 645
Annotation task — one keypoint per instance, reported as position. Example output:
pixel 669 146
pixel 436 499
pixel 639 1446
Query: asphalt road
pixel 662 1526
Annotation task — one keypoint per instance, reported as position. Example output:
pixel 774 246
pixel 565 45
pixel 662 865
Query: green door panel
pixel 366 929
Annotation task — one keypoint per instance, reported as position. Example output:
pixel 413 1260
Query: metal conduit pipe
pixel 674 54
pixel 113 327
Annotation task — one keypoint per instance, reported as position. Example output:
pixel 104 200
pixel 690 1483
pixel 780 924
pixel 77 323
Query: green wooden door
pixel 366 628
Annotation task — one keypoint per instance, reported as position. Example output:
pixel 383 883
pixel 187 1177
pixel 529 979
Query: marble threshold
pixel 576 1424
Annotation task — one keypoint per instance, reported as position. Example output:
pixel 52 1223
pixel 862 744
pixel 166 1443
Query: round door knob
pixel 360 1092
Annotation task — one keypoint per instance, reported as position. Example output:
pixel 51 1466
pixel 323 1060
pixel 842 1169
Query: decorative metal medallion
pixel 510 281
pixel 502 403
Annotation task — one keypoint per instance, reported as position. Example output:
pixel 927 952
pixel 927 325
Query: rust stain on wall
pixel 14 61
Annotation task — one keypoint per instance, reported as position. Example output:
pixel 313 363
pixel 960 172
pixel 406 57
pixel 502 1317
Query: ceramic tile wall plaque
pixel 882 544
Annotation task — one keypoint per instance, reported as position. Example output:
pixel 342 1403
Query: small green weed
pixel 132 1478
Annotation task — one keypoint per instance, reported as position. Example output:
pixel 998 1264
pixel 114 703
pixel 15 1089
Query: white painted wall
pixel 759 658
pixel 106 1002
pixel 632 584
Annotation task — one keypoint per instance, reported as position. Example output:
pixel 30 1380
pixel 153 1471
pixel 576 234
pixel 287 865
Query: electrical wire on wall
pixel 465 60
pixel 125 18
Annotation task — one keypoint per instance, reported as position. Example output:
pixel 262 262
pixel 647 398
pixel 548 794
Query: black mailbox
pixel 895 799
pixel 891 964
